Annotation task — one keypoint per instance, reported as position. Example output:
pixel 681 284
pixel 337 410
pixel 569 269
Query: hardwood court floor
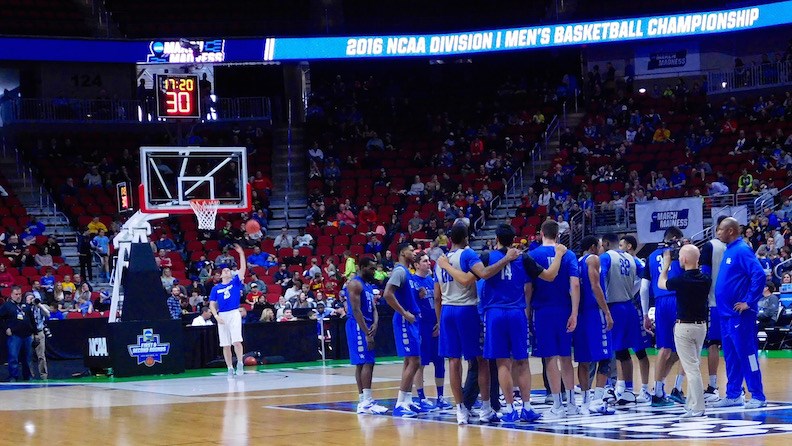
pixel 203 409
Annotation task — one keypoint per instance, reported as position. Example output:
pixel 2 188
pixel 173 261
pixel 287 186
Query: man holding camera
pixel 41 314
pixel 692 289
pixel 19 325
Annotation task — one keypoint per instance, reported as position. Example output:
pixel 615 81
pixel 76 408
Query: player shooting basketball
pixel 224 302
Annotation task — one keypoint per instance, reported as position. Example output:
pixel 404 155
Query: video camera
pixel 674 245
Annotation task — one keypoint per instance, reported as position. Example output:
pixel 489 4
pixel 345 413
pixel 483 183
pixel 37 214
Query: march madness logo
pixel 186 51
pixel 663 220
pixel 148 350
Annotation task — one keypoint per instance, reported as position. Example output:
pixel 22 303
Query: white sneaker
pixel 489 416
pixel 370 407
pixel 463 415
pixel 240 369
pixel 572 410
pixel 555 414
pixel 730 402
pixel 585 408
pixel 711 395
pixel 753 403
pixel 691 414
pixel 643 397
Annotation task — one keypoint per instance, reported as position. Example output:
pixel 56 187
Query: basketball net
pixel 206 211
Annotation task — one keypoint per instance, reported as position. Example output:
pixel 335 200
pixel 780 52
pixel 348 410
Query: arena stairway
pixel 295 192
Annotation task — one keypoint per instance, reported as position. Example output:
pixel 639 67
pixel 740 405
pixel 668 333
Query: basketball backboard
pixel 172 176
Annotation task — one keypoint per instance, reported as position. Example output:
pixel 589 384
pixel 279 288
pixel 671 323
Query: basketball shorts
pixel 591 339
pixel 230 330
pixel 429 343
pixel 460 332
pixel 406 336
pixel 506 333
pixel 550 334
pixel 714 329
pixel 665 319
pixel 356 342
pixel 626 332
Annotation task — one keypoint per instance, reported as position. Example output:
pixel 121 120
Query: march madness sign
pixel 654 217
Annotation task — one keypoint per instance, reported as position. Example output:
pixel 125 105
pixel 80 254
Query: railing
pixel 512 186
pixel 577 230
pixel 553 128
pixel 746 78
pixel 778 270
pixel 124 111
pixel 605 214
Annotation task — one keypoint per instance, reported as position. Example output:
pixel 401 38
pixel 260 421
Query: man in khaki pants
pixel 40 313
pixel 692 290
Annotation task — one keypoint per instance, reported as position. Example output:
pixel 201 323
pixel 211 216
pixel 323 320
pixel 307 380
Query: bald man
pixel 739 287
pixel 692 290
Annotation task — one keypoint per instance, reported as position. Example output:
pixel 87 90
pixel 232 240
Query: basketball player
pixel 592 338
pixel 399 296
pixel 506 321
pixel 459 324
pixel 629 244
pixel 711 256
pixel 665 314
pixel 361 329
pixel 555 311
pixel 619 273
pixel 423 287
pixel 224 302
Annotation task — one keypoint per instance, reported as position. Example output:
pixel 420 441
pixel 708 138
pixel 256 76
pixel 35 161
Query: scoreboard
pixel 177 96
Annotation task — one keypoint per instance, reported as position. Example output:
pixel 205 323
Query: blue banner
pixel 511 39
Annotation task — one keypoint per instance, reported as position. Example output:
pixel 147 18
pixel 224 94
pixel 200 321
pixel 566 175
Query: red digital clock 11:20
pixel 177 96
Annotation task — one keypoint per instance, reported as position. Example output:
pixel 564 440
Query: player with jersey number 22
pixel 224 303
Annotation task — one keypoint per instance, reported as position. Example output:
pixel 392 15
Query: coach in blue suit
pixel 738 289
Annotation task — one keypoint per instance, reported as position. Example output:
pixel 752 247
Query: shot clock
pixel 177 96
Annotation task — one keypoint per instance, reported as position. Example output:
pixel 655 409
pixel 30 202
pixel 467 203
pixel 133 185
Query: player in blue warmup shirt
pixel 460 327
pixel 619 273
pixel 361 327
pixel 592 339
pixel 555 311
pixel 224 303
pixel 506 321
pixel 400 297
pixel 741 281
pixel 665 313
pixel 422 284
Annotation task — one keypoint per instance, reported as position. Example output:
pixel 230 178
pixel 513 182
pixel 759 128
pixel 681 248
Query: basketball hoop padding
pixel 206 212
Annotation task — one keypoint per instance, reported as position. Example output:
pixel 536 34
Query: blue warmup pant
pixel 740 354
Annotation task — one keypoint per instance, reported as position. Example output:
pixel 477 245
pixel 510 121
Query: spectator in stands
pixel 294 291
pixel 51 247
pixel 83 300
pixel 678 178
pixel 619 207
pixel 283 277
pixel 662 134
pixel 253 295
pixel 563 225
pixel 350 265
pixel 162 259
pixel 345 217
pixel 95 226
pixel 387 261
pixel 486 194
pixel 166 243
pixel 314 269
pixel 34 229
pixel 38 293
pixel 67 304
pixel 745 182
pixel 6 279
pixel 13 247
pixel 546 198
pixel 303 239
pixel 174 303
pixel 373 246
pixel 167 279
pixel 417 188
pixel 100 245
pixel 330 269
pixel 287 316
pixel 660 183
pixel 28 259
pixel 415 224
pixel 204 319
pixel 70 286
pixel 295 259
pixel 302 301
pixel 68 189
pixel 92 179
pixel 257 258
pixel 197 287
pixel 769 303
pixel 284 240
pixel 225 260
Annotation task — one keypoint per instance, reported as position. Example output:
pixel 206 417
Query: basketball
pixel 252 227
pixel 249 360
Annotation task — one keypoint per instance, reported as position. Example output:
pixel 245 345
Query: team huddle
pixel 497 308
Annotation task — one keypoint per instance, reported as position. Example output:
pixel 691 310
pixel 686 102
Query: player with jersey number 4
pixel 224 302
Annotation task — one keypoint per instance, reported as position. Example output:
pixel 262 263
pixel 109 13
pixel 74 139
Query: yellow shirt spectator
pixel 95 226
pixel 661 135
